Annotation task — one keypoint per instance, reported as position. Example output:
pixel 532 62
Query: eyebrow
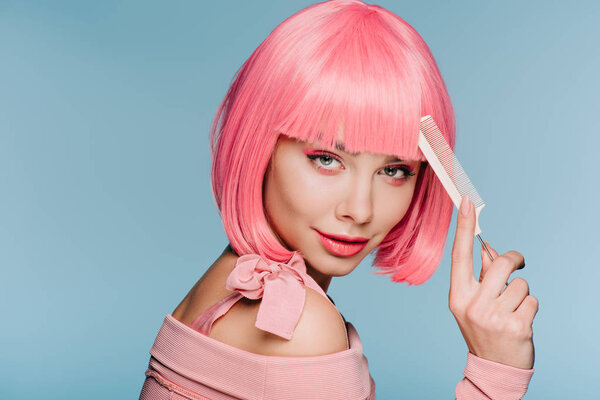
pixel 340 146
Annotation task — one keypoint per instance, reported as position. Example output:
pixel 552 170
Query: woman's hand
pixel 495 323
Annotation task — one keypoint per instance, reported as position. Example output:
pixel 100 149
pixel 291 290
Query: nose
pixel 356 203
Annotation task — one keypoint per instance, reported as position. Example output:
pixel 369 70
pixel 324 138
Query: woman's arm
pixel 496 322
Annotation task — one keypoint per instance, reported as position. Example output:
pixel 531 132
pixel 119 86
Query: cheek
pixel 292 196
pixel 393 205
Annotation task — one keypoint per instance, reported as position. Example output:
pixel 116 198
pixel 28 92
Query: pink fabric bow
pixel 279 285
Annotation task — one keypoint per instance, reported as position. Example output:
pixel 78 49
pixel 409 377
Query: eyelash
pixel 408 172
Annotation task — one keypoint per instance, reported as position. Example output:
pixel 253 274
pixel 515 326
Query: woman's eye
pixel 323 160
pixel 326 160
pixel 398 172
pixel 393 171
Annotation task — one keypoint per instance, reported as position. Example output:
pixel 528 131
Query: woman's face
pixel 332 206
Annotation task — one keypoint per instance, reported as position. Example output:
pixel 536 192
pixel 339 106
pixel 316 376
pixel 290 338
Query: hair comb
pixel 448 170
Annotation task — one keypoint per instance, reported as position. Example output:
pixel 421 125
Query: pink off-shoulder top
pixel 186 363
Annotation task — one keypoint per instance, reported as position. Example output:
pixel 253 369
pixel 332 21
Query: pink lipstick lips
pixel 342 246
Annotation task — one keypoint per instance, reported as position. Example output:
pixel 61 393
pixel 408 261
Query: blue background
pixel 107 219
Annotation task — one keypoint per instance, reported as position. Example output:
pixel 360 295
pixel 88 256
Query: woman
pixel 315 165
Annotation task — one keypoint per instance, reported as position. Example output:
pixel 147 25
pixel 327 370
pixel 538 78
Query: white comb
pixel 448 170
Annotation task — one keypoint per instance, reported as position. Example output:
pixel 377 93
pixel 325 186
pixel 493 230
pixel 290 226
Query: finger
pixel 514 294
pixel 528 308
pixel 485 259
pixel 499 271
pixel 461 273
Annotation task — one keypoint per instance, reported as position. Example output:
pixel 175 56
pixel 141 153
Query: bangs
pixel 359 85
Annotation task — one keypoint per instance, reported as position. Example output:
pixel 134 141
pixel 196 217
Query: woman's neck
pixel 321 279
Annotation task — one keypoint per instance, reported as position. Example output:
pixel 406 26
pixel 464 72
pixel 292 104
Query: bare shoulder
pixel 320 330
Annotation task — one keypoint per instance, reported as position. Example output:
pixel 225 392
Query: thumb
pixel 485 259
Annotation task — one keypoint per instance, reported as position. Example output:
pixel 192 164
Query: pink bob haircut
pixel 339 63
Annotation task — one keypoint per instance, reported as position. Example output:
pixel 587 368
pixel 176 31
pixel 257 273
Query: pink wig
pixel 340 63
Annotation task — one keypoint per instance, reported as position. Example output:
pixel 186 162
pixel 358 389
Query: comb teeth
pixel 442 160
pixel 449 162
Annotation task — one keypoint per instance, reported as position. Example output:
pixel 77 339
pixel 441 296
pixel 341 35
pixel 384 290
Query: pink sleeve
pixel 485 379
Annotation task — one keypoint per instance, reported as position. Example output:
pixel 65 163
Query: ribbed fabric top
pixel 216 370
pixel 485 379
pixel 186 363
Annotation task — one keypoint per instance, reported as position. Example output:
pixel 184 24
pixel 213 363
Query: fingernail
pixel 465 205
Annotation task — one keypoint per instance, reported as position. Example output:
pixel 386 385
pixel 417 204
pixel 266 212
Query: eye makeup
pixel 316 155
pixel 407 173
pixel 321 159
